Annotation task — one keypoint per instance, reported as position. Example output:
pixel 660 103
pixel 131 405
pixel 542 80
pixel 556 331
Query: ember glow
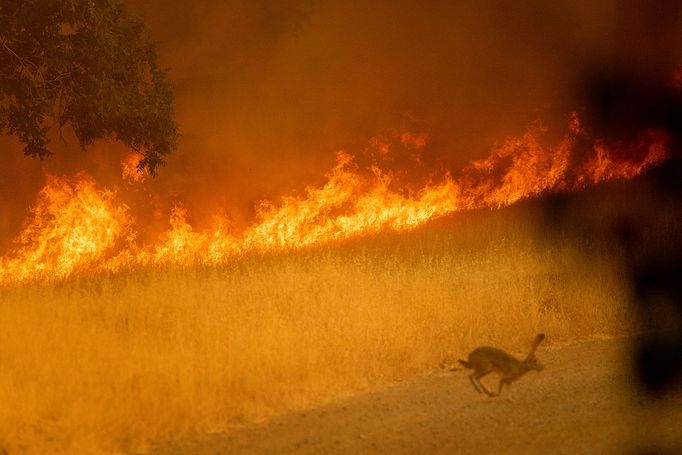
pixel 77 228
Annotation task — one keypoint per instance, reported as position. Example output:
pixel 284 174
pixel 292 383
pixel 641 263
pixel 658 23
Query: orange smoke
pixel 77 228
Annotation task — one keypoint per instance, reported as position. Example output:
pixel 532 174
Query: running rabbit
pixel 486 359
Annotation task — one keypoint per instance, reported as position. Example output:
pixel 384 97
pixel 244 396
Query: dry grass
pixel 107 364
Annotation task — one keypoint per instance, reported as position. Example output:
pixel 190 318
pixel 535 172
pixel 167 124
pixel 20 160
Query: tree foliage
pixel 86 64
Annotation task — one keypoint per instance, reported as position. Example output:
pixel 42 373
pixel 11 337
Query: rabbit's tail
pixel 464 363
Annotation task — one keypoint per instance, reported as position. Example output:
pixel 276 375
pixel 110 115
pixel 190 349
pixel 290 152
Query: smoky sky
pixel 267 92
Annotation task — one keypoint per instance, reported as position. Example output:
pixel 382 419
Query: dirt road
pixel 583 402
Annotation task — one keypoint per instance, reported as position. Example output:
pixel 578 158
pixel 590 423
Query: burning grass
pixel 76 228
pixel 112 362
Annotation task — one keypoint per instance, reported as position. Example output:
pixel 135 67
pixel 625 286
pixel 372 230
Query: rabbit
pixel 486 359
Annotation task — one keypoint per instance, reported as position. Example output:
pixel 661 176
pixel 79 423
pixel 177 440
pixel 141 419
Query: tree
pixel 86 64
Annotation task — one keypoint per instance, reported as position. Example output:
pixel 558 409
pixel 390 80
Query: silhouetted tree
pixel 86 64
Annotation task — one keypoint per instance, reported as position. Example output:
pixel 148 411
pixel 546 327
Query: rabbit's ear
pixel 536 343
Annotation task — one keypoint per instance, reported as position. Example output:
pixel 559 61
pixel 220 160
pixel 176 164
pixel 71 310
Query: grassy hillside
pixel 112 362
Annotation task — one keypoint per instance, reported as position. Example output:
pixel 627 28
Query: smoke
pixel 267 92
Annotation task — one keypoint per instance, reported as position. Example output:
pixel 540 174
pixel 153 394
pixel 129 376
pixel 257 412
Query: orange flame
pixel 130 170
pixel 73 227
pixel 520 168
pixel 76 228
pixel 651 150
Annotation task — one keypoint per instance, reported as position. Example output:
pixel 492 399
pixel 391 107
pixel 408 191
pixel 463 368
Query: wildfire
pixel 650 150
pixel 72 228
pixel 77 228
pixel 129 168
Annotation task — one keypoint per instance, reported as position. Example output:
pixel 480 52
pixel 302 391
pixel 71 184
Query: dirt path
pixel 583 402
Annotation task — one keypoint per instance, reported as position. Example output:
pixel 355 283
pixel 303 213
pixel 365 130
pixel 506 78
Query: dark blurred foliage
pixel 637 89
pixel 623 103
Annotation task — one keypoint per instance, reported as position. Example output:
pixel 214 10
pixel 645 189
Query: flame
pixel 130 170
pixel 418 141
pixel 77 228
pixel 182 245
pixel 72 227
pixel 651 149
pixel 520 168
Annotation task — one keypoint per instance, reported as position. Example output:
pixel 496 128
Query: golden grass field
pixel 113 363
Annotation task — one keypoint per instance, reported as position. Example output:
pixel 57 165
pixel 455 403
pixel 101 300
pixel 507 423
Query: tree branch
pixel 22 61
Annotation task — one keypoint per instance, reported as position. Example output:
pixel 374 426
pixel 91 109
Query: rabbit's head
pixel 531 363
